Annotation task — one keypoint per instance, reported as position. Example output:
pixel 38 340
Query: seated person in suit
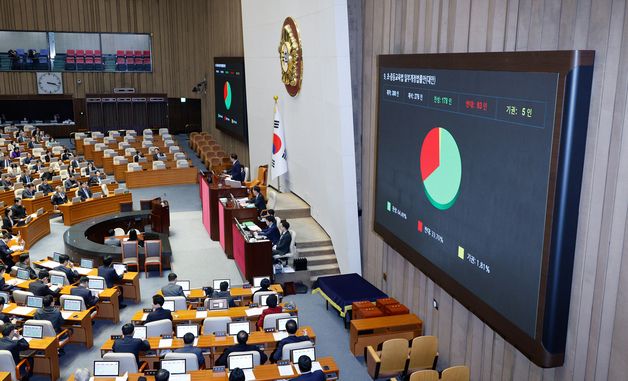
pixel 266 213
pixel 29 191
pixel 3 285
pixel 172 288
pixel 107 271
pixel 66 267
pixel 70 183
pixel 291 329
pixel 58 197
pixel 45 187
pixel 264 285
pixel 188 341
pixel 5 161
pixel 111 239
pixel 46 174
pixel 237 374
pixel 15 153
pixel 133 237
pixel 40 287
pixel 285 239
pixel 13 342
pixel 224 293
pixel 84 292
pixel 5 253
pixel 84 192
pixel 74 163
pixel 46 156
pixel 19 211
pixel 272 308
pixel 158 310
pixel 95 179
pixel 7 221
pixel 48 312
pixel 66 155
pixel 162 375
pixel 271 232
pixel 32 142
pixel 258 199
pixel 29 157
pixel 25 263
pixel 305 367
pixel 236 172
pixel 27 177
pixel 128 344
pixel 241 346
pixel 138 155
pixel 158 155
pixel 6 183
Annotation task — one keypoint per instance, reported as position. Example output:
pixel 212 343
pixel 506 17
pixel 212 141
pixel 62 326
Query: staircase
pixel 312 241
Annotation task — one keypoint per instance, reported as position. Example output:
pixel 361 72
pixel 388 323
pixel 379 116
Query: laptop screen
pixel 34 301
pixel 71 305
pixel 96 284
pixel 217 283
pixel 139 332
pixel 281 323
pixel 263 299
pixel 257 281
pixel 218 304
pixel 240 361
pixel 185 284
pixel 234 328
pixel 57 280
pixel 23 274
pixel 87 263
pixel 106 368
pixel 295 354
pixel 173 366
pixel 169 305
pixel 185 328
pixel 34 331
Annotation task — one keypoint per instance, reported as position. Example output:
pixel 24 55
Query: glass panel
pixel 23 50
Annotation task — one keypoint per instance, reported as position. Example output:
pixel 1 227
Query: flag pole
pixel 276 98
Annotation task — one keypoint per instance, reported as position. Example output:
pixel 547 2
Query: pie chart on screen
pixel 441 168
pixel 226 94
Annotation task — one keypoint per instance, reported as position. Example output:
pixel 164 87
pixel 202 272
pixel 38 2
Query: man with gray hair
pixel 81 374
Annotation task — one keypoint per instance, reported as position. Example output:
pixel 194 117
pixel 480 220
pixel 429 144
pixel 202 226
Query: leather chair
pixel 128 363
pixel 158 328
pixel 191 361
pixel 152 250
pixel 390 361
pixel 215 324
pixel 7 364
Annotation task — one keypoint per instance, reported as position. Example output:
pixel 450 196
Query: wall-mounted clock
pixel 49 83
pixel 291 57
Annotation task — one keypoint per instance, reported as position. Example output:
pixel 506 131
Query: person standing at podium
pixel 236 172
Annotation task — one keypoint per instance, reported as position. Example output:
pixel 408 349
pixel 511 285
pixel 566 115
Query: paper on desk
pixel 254 311
pixel 21 311
pixel 165 343
pixel 278 336
pixel 66 314
pixel 17 247
pixel 179 377
pixel 248 374
pixel 201 314
pixel 13 282
pixel 144 316
pixel 315 366
pixel 123 378
pixel 82 270
pixel 50 264
pixel 285 370
pixel 28 339
pixel 186 293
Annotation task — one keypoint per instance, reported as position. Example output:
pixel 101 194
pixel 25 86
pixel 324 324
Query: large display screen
pixel 466 178
pixel 230 96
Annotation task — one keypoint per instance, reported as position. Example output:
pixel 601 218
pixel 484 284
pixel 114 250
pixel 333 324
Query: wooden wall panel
pixel 597 334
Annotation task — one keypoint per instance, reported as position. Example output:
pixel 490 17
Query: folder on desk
pixel 165 343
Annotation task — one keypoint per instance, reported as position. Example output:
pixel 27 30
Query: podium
pixel 160 216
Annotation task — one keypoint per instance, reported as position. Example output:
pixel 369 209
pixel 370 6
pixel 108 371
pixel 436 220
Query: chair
pixel 391 361
pixel 182 164
pixel 83 306
pixel 293 248
pixel 63 337
pixel 179 156
pixel 163 131
pixel 158 328
pixel 130 254
pixel 262 172
pixel 191 361
pixel 152 249
pixel 117 160
pixel 60 273
pixel 456 373
pixel 285 351
pixel 258 296
pixel 270 321
pixel 20 296
pixel 256 356
pixel 246 173
pixel 109 153
pixel 130 151
pixel 179 302
pixel 128 364
pixel 133 167
pixel 214 324
pixel 147 131
pixel 7 364
pixel 114 134
pixel 424 375
pixel 124 145
pixel 118 232
pixel 423 353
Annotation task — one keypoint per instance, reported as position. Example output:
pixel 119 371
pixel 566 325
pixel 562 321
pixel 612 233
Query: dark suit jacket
pixel 128 344
pixel 69 184
pixel 110 275
pixel 56 199
pixel 38 288
pixel 158 314
pixel 259 202
pixel 5 287
pixel 222 360
pixel 272 233
pixel 314 376
pixel 7 224
pixel 18 211
pixel 14 347
pixel 74 163
pixel 276 355
pixel 191 349
pixel 52 315
pixel 90 300
pixel 26 179
pixel 6 163
pixel 5 255
pixel 27 194
pixel 283 245
pixel 46 188
pixel 236 172
pixel 46 175
pixel 85 193
pixel 72 275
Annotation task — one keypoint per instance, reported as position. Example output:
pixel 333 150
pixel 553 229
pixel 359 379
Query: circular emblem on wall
pixel 291 57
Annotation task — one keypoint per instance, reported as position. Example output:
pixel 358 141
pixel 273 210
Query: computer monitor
pixel 34 301
pixel 218 304
pixel 281 323
pixel 139 332
pixel 295 354
pixel 217 283
pixel 263 299
pixel 23 274
pixel 185 328
pixel 174 366
pixel 33 331
pixel 56 257
pixel 257 281
pixel 76 200
pixel 87 263
pixel 185 284
pixel 169 305
pixel 240 361
pixel 235 327
pixel 96 284
pixel 57 280
pixel 71 305
pixel 106 368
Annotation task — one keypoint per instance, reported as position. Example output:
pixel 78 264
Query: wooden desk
pixel 81 325
pixel 153 178
pixel 5 376
pixel 227 211
pixel 46 361
pixel 35 230
pixel 32 204
pixel 108 303
pixel 74 213
pixel 252 258
pixel 236 292
pixel 185 316
pixel 8 197
pixel 216 192
pixel 374 331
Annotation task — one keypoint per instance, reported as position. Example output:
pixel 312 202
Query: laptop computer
pixel 139 332
pixel 182 329
pixel 96 286
pixel 176 368
pixel 56 257
pixel 106 368
pixel 218 281
pixel 263 299
pixel 218 304
pixel 257 281
pixel 71 305
pixel 281 323
pixel 235 327
pixel 34 301
pixel 87 263
pixel 295 354
pixel 185 285
pixel 31 331
pixel 169 305
pixel 57 280
pixel 76 200
pixel 23 274
pixel 244 361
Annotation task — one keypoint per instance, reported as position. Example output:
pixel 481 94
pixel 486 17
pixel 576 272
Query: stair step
pixel 314 277
pixel 293 213
pixel 321 260
pixel 318 270
pixel 316 251
pixel 311 244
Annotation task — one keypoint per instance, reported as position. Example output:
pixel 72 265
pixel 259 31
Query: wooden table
pixel 35 230
pixel 236 292
pixel 154 178
pixel 46 360
pixel 252 258
pixel 82 330
pixel 227 211
pixel 32 204
pixel 374 331
pixel 74 213
pixel 108 303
